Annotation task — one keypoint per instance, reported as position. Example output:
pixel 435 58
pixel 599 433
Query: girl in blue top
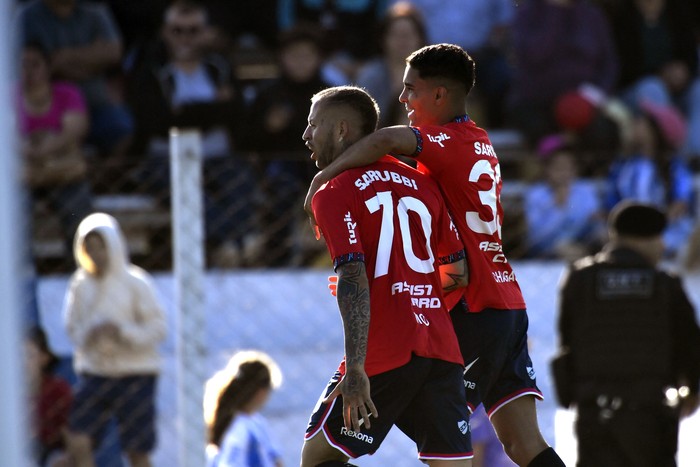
pixel 238 434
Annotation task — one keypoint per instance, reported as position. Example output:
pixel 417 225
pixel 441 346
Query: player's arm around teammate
pixel 390 140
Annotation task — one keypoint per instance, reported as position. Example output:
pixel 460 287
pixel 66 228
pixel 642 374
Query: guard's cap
pixel 635 219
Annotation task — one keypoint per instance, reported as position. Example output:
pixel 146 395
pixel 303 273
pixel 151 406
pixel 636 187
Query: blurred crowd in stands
pixel 604 95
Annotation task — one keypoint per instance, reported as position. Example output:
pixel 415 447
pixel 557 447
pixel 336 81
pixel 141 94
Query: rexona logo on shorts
pixel 357 435
pixel 463 426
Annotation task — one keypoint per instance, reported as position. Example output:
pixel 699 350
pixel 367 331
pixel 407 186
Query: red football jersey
pixel 460 158
pixel 394 219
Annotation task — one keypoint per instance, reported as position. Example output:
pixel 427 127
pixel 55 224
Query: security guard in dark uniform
pixel 629 360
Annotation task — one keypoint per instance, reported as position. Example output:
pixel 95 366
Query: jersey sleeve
pixel 337 220
pixel 434 145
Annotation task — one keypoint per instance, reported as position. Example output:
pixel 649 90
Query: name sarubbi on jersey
pixel 484 149
pixel 372 176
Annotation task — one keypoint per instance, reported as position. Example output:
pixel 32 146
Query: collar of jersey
pixel 461 119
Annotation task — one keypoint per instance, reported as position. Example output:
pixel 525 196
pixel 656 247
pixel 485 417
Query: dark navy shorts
pixel 494 347
pixel 424 399
pixel 130 400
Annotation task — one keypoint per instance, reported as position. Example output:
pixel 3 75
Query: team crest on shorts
pixel 463 426
pixel 530 372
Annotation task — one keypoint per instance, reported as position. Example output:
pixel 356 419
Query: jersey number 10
pixel 384 200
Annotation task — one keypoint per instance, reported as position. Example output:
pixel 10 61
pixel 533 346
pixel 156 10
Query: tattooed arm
pixel 454 275
pixel 353 302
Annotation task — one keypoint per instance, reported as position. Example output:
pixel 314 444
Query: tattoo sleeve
pixel 353 302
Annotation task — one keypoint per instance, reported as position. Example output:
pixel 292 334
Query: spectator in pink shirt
pixel 53 122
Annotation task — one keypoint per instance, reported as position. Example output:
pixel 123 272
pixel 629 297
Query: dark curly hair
pixel 446 61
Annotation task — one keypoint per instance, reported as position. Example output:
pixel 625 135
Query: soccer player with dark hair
pixel 490 316
pixel 394 249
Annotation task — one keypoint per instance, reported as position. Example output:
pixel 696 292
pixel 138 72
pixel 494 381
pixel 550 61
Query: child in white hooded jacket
pixel 115 322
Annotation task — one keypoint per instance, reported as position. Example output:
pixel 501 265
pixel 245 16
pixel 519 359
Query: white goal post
pixel 13 427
